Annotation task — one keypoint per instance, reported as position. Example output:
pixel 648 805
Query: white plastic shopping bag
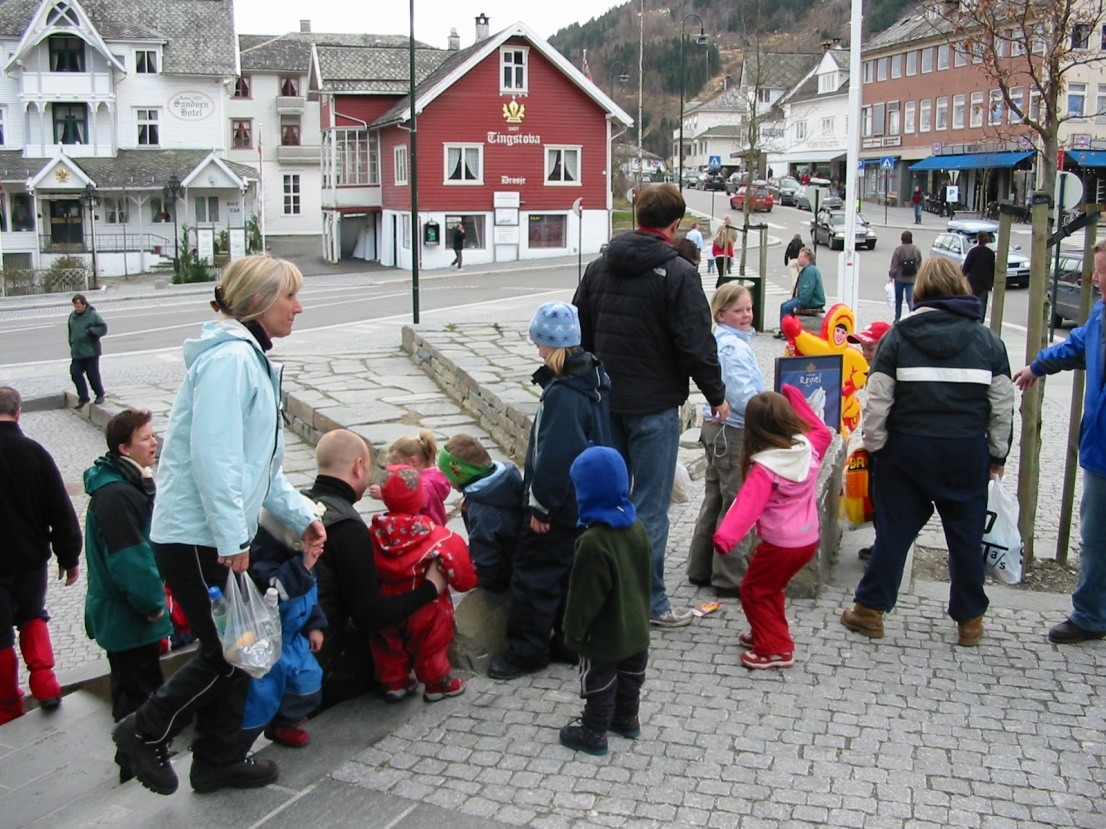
pixel 1002 542
pixel 890 291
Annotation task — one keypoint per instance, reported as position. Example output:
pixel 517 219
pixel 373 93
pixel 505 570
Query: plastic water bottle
pixel 218 609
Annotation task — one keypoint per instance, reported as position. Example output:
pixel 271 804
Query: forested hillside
pixel 611 41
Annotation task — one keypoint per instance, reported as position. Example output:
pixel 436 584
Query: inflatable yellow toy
pixel 838 323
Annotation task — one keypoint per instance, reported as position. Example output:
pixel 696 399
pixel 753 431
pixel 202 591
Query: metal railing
pixel 109 243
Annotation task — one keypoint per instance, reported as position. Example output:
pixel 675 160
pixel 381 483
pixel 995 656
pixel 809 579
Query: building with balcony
pixel 513 143
pixel 103 106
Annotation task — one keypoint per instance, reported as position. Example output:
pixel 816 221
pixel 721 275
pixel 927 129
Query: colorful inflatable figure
pixel 837 324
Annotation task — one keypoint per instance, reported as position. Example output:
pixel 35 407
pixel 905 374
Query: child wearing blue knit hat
pixel 607 612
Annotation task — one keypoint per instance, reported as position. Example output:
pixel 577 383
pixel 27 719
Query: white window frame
pixel 116 210
pixel 909 112
pixel 399 165
pixel 881 69
pixel 912 62
pixel 1017 49
pixel 827 125
pixel 564 150
pixel 147 121
pixel 894 122
pixel 975 110
pixel 514 87
pixel 3 123
pixel 959 54
pixel 869 71
pixel 147 55
pixel 800 130
pixel 866 121
pixel 942 57
pixel 996 108
pixel 896 65
pixel 927 60
pixel 406 224
pixel 1076 92
pixel 208 202
pixel 478 180
pixel 925 115
pixel 1017 95
pixel 959 103
pixel 1100 105
pixel 293 194
pixel 941 113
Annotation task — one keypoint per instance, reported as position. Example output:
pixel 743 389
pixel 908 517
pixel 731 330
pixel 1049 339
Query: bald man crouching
pixel 349 589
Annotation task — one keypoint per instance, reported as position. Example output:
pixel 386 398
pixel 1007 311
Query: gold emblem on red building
pixel 514 112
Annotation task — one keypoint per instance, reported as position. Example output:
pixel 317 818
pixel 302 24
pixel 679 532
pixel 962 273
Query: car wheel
pixel 1057 320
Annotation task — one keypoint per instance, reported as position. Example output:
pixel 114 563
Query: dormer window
pixel 827 82
pixel 513 76
pixel 145 62
pixel 66 54
pixel 289 87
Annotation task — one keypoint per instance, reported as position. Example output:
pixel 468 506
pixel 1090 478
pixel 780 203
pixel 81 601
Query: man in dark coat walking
pixel 86 327
pixel 979 267
pixel 458 245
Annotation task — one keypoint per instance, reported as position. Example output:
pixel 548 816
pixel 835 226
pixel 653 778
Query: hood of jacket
pixel 583 373
pixel 502 487
pixel 635 251
pixel 792 463
pixel 214 334
pixel 397 533
pixel 937 325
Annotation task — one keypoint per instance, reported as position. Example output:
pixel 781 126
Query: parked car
pixel 828 228
pixel 1069 287
pixel 786 188
pixel 761 199
pixel 691 178
pixel 960 236
pixel 712 181
pixel 804 198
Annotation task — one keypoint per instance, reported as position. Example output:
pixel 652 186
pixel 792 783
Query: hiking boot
pixel 247 773
pixel 578 738
pixel 864 620
pixel 971 632
pixel 394 694
pixel 451 686
pixel 755 661
pixel 745 640
pixel 287 735
pixel 628 727
pixel 672 619
pixel 149 761
pixel 125 771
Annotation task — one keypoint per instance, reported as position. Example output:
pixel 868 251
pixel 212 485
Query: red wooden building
pixel 510 136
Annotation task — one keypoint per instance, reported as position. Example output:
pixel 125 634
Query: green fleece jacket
pixel 125 591
pixel 607 611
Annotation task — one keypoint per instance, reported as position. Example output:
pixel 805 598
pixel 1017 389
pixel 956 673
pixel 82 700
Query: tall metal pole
pixel 680 143
pixel 848 283
pixel 640 77
pixel 416 236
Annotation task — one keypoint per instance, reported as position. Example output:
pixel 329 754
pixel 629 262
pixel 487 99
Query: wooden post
pixel 1029 462
pixel 998 302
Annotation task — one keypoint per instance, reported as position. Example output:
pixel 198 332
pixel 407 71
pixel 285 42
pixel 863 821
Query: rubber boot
pixel 11 698
pixel 864 620
pixel 38 653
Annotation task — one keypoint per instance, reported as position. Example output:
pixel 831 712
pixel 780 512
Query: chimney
pixel 454 40
pixel 481 27
pixel 305 26
pixel 827 45
pixel 837 43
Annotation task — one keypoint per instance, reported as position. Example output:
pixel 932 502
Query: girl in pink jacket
pixel 784 444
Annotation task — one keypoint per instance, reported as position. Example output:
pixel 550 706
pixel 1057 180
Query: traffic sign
pixel 887 163
pixel 715 162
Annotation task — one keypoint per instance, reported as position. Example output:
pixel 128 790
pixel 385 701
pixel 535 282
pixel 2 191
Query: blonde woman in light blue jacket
pixel 732 309
pixel 220 464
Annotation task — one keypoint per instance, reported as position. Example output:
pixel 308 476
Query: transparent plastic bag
pixel 251 635
pixel 681 485
pixel 1002 541
pixel 889 290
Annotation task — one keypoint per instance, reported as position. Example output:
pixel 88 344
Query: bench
pixel 811 318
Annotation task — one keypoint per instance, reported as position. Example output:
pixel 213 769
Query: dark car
pixel 1068 289
pixel 712 181
pixel 828 228
pixel 804 198
pixel 786 188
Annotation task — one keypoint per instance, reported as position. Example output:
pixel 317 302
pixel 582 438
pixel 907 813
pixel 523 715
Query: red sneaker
pixel 288 735
pixel 450 686
pixel 398 693
pixel 745 639
pixel 753 660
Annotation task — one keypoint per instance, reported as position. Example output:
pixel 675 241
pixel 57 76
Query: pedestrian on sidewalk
pixel 607 612
pixel 652 336
pixel 732 307
pixel 979 268
pixel 86 327
pixel 785 442
pixel 37 516
pixel 458 245
pixel 125 607
pixel 574 413
pixel 916 200
pixel 722 250
pixel 695 235
pixel 1083 350
pixel 905 262
pixel 938 359
pixel 221 462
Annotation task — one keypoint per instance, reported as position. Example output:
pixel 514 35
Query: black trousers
pixel 135 675
pixel 611 690
pixel 78 368
pixel 539 587
pixel 207 687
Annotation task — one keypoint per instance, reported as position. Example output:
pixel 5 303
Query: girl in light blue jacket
pixel 220 464
pixel 732 309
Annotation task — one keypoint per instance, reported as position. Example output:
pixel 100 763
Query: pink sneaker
pixel 753 660
pixel 450 686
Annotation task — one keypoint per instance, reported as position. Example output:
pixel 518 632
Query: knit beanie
pixel 602 488
pixel 557 325
pixel 402 490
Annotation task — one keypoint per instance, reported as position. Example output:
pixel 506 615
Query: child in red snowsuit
pixel 405 545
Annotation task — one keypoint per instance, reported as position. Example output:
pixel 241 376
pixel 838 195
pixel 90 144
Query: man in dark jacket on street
pixel 37 516
pixel 644 314
pixel 979 267
pixel 86 327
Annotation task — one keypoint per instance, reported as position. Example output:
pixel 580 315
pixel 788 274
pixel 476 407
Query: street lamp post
pixel 172 191
pixel 702 39
pixel 91 199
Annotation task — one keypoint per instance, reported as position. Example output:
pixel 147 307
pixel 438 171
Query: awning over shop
pixel 972 161
pixel 1087 158
pixel 811 156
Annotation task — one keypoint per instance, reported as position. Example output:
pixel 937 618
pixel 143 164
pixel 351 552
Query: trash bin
pixel 755 284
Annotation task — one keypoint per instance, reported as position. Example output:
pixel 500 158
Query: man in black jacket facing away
pixel 979 267
pixel 644 314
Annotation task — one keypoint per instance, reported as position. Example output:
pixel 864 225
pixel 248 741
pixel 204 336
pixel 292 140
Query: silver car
pixel 1068 288
pixel 960 237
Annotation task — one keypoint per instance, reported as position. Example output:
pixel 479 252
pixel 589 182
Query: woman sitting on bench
pixel 809 295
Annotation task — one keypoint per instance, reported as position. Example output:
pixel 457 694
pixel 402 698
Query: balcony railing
pixel 66 85
pixel 289 104
pixel 298 154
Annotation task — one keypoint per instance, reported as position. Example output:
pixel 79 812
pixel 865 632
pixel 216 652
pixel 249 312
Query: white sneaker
pixel 673 619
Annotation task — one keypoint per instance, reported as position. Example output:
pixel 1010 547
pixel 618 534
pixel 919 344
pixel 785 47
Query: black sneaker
pixel 149 761
pixel 628 727
pixel 99 399
pixel 247 773
pixel 504 668
pixel 81 404
pixel 578 738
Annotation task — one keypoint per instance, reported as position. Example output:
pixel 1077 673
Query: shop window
pixel 242 87
pixel 145 62
pixel 241 134
pixel 474 229
pixel 513 77
pixel 562 165
pixel 70 123
pixel 464 164
pixel 147 127
pixel 548 230
pixel 66 53
pixel 291 195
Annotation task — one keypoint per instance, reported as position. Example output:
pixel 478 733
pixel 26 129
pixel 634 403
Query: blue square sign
pixel 715 162
pixel 887 163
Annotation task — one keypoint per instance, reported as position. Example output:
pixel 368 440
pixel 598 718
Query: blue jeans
pixel 649 444
pixel 918 213
pixel 1089 599
pixel 903 291
pixel 788 308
